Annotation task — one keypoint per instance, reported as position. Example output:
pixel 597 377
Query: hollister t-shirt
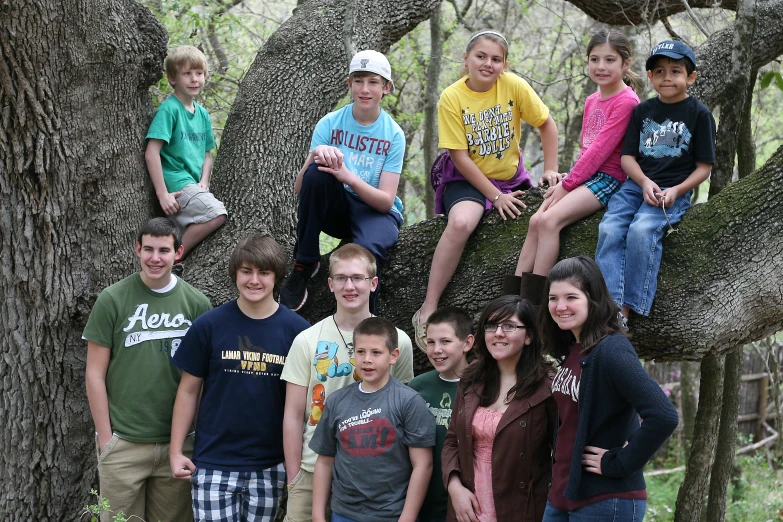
pixel 369 149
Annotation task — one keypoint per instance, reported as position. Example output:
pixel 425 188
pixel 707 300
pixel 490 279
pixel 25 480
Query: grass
pixel 758 499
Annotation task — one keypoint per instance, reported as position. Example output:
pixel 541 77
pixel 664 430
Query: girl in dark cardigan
pixel 601 390
pixel 496 459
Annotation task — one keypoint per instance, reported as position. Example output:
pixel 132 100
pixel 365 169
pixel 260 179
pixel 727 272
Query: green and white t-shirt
pixel 187 137
pixel 143 329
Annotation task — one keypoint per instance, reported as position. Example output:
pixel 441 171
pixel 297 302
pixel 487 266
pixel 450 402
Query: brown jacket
pixel 521 453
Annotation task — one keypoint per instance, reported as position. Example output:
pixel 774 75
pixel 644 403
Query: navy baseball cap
pixel 671 49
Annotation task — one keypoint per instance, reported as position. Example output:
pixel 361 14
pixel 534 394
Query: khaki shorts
pixel 136 479
pixel 196 205
pixel 299 505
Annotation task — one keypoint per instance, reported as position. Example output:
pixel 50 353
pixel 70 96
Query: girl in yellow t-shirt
pixel 479 118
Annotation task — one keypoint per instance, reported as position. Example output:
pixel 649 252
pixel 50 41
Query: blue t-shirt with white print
pixel 368 149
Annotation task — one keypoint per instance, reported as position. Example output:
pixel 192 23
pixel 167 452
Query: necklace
pixel 349 347
pixel 509 396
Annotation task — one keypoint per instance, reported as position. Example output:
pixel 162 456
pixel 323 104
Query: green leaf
pixel 766 80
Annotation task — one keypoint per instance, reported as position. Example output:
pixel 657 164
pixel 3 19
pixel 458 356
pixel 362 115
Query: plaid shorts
pixel 237 496
pixel 603 186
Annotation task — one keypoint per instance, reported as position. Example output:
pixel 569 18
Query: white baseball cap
pixel 371 61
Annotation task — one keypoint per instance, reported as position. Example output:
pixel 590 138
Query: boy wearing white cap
pixel 348 185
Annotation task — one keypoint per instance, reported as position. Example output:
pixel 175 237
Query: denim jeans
pixel 609 510
pixel 629 245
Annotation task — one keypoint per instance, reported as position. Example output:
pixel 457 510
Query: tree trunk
pixel 727 437
pixel 430 135
pixel 74 101
pixel 689 382
pixel 732 104
pixel 690 498
pixel 746 148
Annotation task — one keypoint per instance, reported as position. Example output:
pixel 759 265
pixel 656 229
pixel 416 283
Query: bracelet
pixel 497 197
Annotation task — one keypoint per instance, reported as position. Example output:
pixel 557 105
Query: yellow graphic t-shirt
pixel 488 124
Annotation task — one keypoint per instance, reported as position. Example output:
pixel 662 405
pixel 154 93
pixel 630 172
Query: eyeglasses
pixel 506 327
pixel 355 279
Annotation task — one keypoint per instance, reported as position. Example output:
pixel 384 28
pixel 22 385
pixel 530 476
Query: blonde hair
pixel 185 56
pixel 492 36
pixel 351 251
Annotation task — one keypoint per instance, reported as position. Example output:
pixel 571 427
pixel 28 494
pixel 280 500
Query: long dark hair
pixel 620 43
pixel 583 273
pixel 531 367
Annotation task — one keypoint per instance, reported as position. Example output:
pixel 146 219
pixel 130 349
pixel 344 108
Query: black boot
pixel 533 288
pixel 511 285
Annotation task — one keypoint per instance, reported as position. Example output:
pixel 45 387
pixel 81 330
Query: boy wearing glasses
pixel 321 361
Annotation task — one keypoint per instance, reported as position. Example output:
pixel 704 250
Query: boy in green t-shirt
pixel 178 151
pixel 449 339
pixel 134 329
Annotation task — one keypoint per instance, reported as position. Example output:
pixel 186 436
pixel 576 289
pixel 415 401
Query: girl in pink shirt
pixel 597 174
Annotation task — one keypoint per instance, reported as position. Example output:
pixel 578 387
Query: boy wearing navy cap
pixel 669 149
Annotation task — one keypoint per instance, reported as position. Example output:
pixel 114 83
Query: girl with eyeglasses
pixel 496 459
pixel 602 391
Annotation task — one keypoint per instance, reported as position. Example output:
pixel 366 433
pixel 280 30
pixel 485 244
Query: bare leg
pixel 527 257
pixel 577 204
pixel 197 232
pixel 464 217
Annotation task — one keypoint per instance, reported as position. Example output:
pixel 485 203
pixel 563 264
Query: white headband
pixel 482 33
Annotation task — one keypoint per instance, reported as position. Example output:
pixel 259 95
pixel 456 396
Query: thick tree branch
pixel 719 285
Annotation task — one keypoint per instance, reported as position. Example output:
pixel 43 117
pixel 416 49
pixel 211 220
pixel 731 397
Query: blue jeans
pixel 609 510
pixel 629 245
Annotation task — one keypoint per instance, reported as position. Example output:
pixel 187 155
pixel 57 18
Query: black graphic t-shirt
pixel 369 434
pixel 668 139
pixel 240 417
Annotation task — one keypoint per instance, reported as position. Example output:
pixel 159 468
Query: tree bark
pixel 74 108
pixel 689 386
pixel 431 95
pixel 733 100
pixel 632 12
pixel 727 437
pixel 690 498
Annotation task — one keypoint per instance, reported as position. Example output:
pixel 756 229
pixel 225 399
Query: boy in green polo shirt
pixel 178 151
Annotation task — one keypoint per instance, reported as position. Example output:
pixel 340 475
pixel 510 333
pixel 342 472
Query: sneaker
pixel 294 293
pixel 623 321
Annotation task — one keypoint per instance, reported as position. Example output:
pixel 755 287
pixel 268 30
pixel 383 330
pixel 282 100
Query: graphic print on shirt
pixel 141 328
pixel 443 413
pixel 358 145
pixel 326 362
pixel 253 360
pixel 566 383
pixel 659 140
pixel 318 404
pixel 367 434
pixel 592 127
pixel 489 132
